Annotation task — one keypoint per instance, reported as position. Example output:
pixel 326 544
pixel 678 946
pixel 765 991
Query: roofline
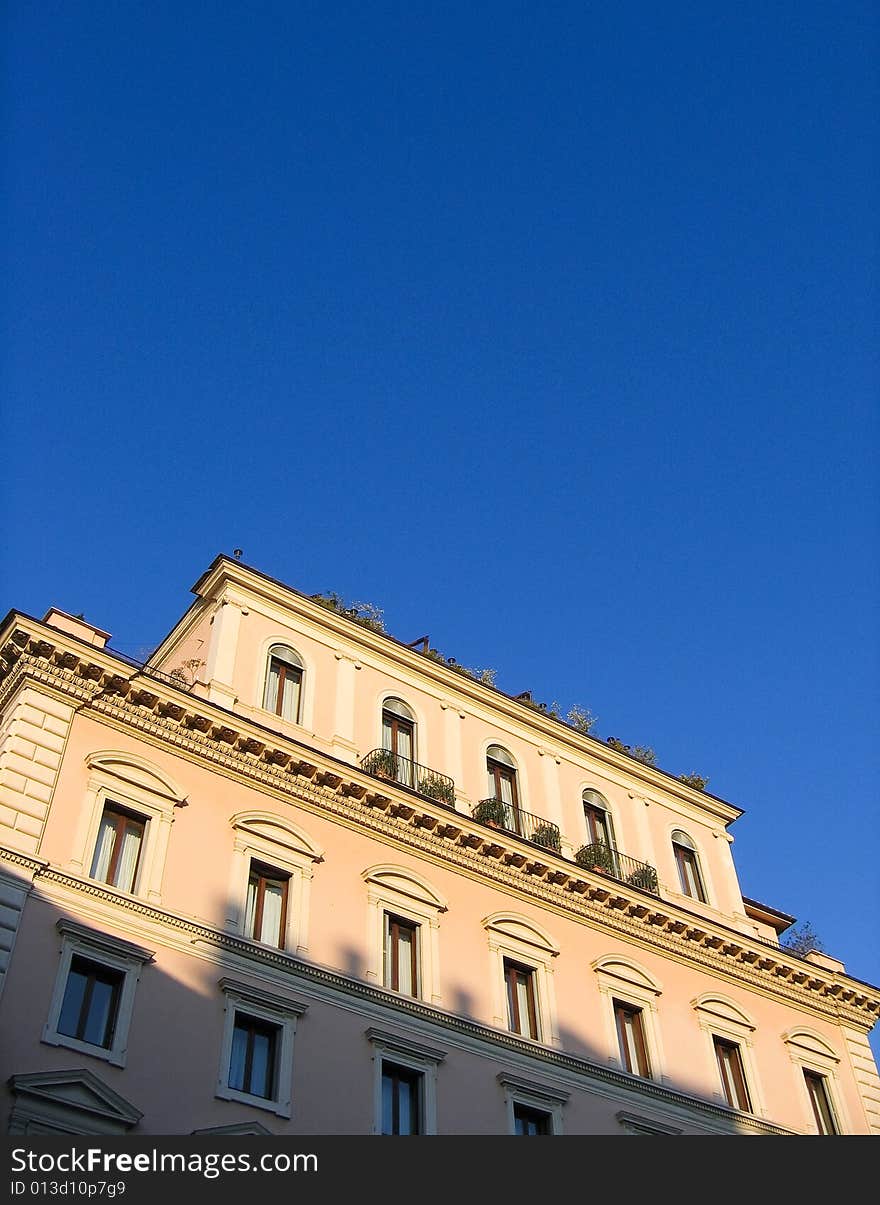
pixel 695 796
pixel 780 921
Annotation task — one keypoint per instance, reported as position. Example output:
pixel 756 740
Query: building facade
pixel 293 876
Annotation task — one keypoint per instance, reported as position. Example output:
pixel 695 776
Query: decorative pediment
pixel 626 972
pixel 405 882
pixel 519 928
pixel 806 1042
pixel 243 1128
pixel 75 1101
pixel 720 1008
pixel 136 771
pixel 278 832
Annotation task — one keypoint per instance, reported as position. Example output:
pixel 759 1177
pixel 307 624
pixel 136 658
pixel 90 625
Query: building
pixel 294 876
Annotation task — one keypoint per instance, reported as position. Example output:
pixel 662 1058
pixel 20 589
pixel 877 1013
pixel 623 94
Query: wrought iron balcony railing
pixel 504 815
pixel 382 763
pixel 604 859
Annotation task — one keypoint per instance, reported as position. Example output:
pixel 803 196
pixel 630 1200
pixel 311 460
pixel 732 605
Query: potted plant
pixel 547 834
pixel 383 764
pixel 491 812
pixel 433 787
pixel 645 877
pixel 597 856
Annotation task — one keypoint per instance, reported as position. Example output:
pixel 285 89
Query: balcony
pixel 603 859
pixel 431 784
pixel 498 814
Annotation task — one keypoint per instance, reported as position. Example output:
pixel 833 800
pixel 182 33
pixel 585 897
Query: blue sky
pixel 552 330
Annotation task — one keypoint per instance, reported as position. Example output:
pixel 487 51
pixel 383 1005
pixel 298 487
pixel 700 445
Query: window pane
pixel 387 1104
pixel 405 941
pixel 238 1058
pixel 821 1104
pixel 273 902
pixel 261 1064
pixel 104 847
pixel 71 1006
pixel 98 1023
pixel 401 1100
pixel 407 1110
pixel 732 1076
pixel 271 700
pixel 128 857
pixel 522 1002
pixel 290 693
pixel 530 1122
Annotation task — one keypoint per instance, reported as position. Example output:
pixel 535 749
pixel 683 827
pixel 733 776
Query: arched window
pixel 399 738
pixel 502 784
pixel 600 829
pixel 284 677
pixel 688 864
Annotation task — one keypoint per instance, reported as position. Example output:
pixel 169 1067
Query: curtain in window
pixel 128 857
pixel 104 849
pixel 273 903
pixel 405 960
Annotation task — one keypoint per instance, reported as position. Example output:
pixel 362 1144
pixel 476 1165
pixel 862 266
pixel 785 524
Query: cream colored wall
pixel 345 684
pixel 196 883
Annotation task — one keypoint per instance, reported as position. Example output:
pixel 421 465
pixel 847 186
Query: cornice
pixel 169 717
pixel 326 982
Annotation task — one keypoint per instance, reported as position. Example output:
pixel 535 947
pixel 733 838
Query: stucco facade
pixel 217 915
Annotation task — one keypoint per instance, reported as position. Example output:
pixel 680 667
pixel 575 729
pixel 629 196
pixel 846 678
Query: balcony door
pixel 501 771
pixel 399 738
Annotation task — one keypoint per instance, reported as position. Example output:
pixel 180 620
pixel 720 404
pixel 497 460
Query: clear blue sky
pixel 551 329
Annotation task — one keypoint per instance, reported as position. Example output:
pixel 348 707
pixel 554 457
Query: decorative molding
pixel 245 750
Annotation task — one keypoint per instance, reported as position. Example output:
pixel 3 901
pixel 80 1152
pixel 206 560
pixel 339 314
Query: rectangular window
pixel 91 1002
pixel 266 906
pixel 118 848
pixel 401 955
pixel 631 1039
pixel 531 1121
pixel 401 1100
pixel 819 1099
pixel 253 1061
pixel 733 1079
pixel 521 1012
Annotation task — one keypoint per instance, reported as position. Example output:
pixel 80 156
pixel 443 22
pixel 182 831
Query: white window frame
pixel 133 784
pixel 108 951
pixel 396 890
pixel 279 845
pixel 603 806
pixel 306 693
pixel 514 938
pixel 624 980
pixel 542 1097
pixel 810 1052
pixel 719 1017
pixel 416 1056
pixel 252 1000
